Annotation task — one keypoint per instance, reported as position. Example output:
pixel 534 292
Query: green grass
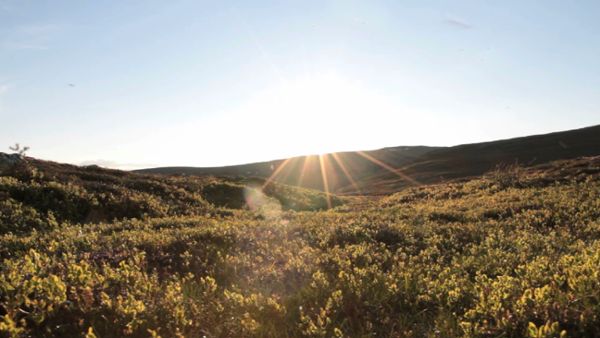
pixel 515 253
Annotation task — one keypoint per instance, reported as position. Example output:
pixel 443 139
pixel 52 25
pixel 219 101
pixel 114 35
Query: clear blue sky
pixel 152 83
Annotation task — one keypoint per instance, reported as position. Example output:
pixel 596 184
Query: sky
pixel 133 84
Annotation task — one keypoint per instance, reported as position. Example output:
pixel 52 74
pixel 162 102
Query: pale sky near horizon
pixel 132 84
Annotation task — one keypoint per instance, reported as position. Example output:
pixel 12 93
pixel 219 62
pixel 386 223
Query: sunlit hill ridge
pixel 391 169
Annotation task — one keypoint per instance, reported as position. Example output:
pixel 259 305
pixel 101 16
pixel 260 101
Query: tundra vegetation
pixel 92 252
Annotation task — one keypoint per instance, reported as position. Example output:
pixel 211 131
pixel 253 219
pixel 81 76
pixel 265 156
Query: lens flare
pixel 332 172
pixel 262 204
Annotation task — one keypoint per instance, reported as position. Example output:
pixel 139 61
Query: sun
pixel 312 114
pixel 325 114
pixel 316 113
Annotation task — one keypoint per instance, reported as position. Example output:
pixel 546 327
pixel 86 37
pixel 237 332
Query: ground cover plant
pixel 90 252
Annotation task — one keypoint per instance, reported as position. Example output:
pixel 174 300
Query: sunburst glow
pixel 322 159
pixel 331 172
pixel 313 114
pixel 305 164
pixel 340 162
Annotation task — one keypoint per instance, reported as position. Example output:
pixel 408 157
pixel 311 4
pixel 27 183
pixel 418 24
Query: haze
pixel 154 83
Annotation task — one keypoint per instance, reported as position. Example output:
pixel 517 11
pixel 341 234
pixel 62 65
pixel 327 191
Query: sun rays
pixel 305 164
pixel 276 172
pixel 337 158
pixel 388 168
pixel 322 160
pixel 329 172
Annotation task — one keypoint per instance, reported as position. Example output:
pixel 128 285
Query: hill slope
pixel 388 170
pixel 305 171
pixel 515 253
pixel 38 195
pixel 475 159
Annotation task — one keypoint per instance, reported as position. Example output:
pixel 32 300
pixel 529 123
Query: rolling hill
pixel 389 170
pixel 92 252
pixel 305 171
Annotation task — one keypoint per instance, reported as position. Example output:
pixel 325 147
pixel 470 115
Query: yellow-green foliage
pixel 300 199
pixel 41 195
pixel 483 258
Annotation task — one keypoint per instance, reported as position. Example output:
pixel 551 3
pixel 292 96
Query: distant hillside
pixel 475 159
pixel 305 171
pixel 391 169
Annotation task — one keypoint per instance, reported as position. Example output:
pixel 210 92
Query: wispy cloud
pixel 30 37
pixel 38 29
pixel 457 23
pixel 12 45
